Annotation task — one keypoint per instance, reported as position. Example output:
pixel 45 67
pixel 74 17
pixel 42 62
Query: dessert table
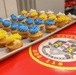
pixel 23 63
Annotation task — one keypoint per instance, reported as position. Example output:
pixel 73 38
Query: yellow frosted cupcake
pixel 14 42
pixel 33 14
pixel 25 13
pixel 3 37
pixel 50 26
pixel 62 21
pixel 52 17
pixel 43 17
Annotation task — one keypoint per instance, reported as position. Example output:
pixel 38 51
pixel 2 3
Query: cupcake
pixel 22 19
pixel 33 14
pixel 14 28
pixel 14 42
pixel 23 30
pixel 40 23
pixel 29 21
pixel 3 37
pixel 62 21
pixel 25 13
pixel 6 25
pixel 43 17
pixel 1 20
pixel 52 17
pixel 14 18
pixel 34 33
pixel 50 26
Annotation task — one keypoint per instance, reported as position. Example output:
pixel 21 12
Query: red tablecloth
pixel 22 64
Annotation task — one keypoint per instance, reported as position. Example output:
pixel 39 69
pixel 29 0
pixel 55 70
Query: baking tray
pixel 5 54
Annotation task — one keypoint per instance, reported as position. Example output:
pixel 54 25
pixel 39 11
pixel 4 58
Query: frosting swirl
pixel 39 21
pixel 30 21
pixel 22 27
pixel 43 16
pixel 34 29
pixel 14 26
pixel 22 17
pixel 1 20
pixel 24 12
pixel 50 22
pixel 14 17
pixel 3 33
pixel 13 37
pixel 6 23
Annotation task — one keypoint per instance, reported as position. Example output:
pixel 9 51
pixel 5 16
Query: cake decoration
pixel 14 26
pixel 39 21
pixel 43 16
pixel 30 21
pixel 14 17
pixel 22 17
pixel 22 27
pixel 6 23
pixel 12 38
pixel 42 12
pixel 50 12
pixel 24 12
pixel 50 22
pixel 34 29
pixel 3 33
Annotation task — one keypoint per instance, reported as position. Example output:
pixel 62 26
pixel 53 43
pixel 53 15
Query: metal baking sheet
pixel 5 54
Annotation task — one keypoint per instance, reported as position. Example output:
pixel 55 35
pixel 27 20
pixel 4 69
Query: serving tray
pixel 5 54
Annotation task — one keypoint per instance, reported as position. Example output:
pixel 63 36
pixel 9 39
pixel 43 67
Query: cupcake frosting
pixel 6 23
pixel 1 20
pixel 14 17
pixel 50 22
pixel 52 17
pixel 13 37
pixel 34 29
pixel 22 17
pixel 43 16
pixel 30 21
pixel 22 27
pixel 3 33
pixel 39 21
pixel 24 12
pixel 14 26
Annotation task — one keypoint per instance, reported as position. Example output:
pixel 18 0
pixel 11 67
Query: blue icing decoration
pixel 50 22
pixel 14 26
pixel 22 27
pixel 39 21
pixel 34 29
pixel 22 17
pixel 30 21
pixel 6 23
pixel 1 20
pixel 14 17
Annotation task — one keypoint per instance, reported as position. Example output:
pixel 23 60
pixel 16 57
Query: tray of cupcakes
pixel 21 31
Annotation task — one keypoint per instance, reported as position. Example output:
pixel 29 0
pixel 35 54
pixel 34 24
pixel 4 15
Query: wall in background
pixel 8 7
pixel 2 9
pixel 54 5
